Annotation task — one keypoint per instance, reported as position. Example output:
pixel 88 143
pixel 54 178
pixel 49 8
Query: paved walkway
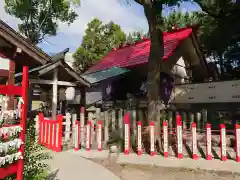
pixel 213 165
pixel 70 166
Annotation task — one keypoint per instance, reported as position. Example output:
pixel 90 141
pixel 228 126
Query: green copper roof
pixel 104 74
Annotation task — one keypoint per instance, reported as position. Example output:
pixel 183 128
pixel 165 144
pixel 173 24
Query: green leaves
pixel 34 166
pixel 181 20
pixel 98 41
pixel 41 18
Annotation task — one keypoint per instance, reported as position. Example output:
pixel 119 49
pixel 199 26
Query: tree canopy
pixel 98 41
pixel 40 18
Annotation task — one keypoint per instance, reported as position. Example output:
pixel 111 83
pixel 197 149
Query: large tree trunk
pixel 155 22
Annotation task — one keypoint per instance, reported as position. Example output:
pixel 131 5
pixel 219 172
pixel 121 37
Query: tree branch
pixel 141 2
pixel 206 10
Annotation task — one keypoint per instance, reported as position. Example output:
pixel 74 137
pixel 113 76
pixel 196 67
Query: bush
pixel 35 167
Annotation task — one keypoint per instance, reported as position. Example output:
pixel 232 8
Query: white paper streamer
pixel 10 131
pixel 15 144
pixel 9 159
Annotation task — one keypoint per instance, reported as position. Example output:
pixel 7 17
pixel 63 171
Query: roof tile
pixel 138 53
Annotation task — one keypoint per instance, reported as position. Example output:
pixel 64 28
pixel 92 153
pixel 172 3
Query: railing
pixel 180 138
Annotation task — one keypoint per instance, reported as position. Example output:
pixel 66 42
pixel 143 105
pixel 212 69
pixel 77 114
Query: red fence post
pixel 237 143
pixel 127 134
pixel 44 131
pixel 23 121
pixel 77 136
pixel 82 125
pixel 179 137
pixel 223 142
pixel 139 138
pixel 152 139
pixel 47 134
pixel 165 138
pixel 209 142
pixel 40 137
pixel 99 135
pixel 55 124
pixel 60 132
pixel 194 141
pixel 51 135
pixel 88 135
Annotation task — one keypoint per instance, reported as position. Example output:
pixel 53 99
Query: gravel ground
pixel 139 172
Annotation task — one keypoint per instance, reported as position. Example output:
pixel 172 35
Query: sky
pixel 129 17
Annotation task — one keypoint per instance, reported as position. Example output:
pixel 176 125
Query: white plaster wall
pixel 4 63
pixel 69 59
pixel 212 92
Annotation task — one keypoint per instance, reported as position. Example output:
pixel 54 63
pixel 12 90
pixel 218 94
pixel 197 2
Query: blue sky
pixel 129 17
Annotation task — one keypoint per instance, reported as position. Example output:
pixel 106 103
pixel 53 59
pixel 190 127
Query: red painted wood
pixel 51 135
pixel 9 170
pixel 59 119
pixel 11 90
pixel 41 117
pixel 54 136
pixel 237 127
pixel 23 120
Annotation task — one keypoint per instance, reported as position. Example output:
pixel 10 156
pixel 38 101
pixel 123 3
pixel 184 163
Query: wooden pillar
pixel 198 119
pixel 106 128
pixel 74 127
pixel 11 81
pixel 134 121
pixel 68 127
pixel 184 118
pixel 204 118
pixel 113 119
pixel 55 94
pixel 120 121
pixel 191 117
pixel 170 120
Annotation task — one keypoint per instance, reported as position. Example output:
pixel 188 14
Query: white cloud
pixel 129 17
pixel 11 21
pixel 107 10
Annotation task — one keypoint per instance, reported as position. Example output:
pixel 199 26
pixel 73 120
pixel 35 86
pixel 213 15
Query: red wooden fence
pixel 50 134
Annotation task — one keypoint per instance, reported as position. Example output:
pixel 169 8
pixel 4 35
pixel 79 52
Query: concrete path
pixel 70 166
pixel 213 165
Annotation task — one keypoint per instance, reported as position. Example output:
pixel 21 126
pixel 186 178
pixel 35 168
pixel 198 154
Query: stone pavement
pixel 213 165
pixel 70 166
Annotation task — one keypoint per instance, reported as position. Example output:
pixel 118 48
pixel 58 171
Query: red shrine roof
pixel 138 53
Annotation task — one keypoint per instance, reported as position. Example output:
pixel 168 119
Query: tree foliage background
pixel 40 18
pixel 99 39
